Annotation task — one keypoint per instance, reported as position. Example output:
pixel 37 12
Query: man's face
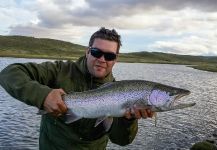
pixel 99 67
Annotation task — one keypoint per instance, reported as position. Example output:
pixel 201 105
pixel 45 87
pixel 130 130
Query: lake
pixel 177 129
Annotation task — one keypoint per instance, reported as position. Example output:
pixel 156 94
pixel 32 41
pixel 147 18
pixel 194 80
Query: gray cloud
pixel 70 20
pixel 66 34
pixel 204 5
pixel 193 45
pixel 103 12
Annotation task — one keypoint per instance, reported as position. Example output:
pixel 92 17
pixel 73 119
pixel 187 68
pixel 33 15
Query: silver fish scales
pixel 113 99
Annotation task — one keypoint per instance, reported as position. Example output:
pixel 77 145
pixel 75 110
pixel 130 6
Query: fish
pixel 113 99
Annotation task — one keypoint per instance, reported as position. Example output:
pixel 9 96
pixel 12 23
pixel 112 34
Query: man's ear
pixel 116 58
pixel 87 52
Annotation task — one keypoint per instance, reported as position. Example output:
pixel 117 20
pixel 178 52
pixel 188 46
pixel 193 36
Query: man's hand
pixel 54 104
pixel 139 113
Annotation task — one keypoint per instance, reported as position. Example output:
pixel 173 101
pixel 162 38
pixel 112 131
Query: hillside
pixel 30 47
pixel 22 46
pixel 157 57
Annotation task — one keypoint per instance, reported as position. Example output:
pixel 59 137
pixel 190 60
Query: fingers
pixel 54 104
pixel 144 113
pixel 150 113
pixel 62 107
pixel 139 113
pixel 62 92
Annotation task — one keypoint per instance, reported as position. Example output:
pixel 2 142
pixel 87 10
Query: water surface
pixel 178 129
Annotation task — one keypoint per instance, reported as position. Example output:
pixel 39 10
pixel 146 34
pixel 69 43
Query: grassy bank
pixel 30 47
pixel 206 67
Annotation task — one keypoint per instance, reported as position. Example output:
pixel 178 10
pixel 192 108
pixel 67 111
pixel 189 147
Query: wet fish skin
pixel 113 99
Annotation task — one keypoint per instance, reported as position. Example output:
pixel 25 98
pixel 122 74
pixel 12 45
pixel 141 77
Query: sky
pixel 186 27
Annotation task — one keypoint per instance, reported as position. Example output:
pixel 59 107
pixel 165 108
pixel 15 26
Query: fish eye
pixel 173 93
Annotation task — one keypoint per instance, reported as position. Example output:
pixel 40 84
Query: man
pixel 42 85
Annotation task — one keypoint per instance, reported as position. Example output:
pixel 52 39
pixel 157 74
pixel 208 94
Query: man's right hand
pixel 54 104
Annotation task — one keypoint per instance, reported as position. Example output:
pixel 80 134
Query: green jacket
pixel 31 83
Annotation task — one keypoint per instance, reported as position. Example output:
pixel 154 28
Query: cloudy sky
pixel 171 26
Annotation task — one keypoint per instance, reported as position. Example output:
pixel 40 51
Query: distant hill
pixel 31 47
pixel 22 46
pixel 157 57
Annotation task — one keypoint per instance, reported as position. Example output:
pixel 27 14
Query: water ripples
pixel 177 129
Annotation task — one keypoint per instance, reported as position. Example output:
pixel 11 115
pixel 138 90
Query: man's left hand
pixel 139 113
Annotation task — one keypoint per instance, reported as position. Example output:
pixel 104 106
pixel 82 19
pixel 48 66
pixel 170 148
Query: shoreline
pixel 204 67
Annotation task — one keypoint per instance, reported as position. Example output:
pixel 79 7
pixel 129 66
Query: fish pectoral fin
pixel 71 117
pixel 107 122
pixel 99 120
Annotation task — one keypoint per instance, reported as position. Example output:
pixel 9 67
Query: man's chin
pixel 100 74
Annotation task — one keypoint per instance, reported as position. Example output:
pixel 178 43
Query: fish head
pixel 165 98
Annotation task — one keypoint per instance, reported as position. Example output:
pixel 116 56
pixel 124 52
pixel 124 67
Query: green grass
pixel 206 67
pixel 21 46
pixel 30 47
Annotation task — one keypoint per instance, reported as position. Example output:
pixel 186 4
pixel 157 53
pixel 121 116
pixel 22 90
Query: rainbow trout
pixel 113 99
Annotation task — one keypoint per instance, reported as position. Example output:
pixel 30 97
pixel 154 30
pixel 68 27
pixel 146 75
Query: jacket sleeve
pixel 29 82
pixel 123 131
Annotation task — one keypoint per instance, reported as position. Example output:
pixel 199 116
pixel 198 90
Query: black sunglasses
pixel 97 53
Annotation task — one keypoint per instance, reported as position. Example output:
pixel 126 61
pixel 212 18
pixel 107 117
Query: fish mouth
pixel 182 95
pixel 177 104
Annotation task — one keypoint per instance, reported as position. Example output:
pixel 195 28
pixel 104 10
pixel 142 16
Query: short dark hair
pixel 106 34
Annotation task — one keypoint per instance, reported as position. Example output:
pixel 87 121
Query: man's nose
pixel 102 58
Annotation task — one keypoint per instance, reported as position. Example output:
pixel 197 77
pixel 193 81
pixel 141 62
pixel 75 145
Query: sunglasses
pixel 97 53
